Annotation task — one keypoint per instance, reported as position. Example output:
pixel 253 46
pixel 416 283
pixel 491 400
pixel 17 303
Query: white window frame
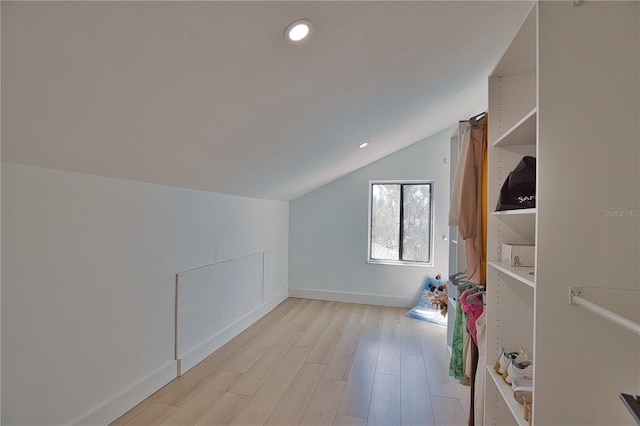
pixel 430 263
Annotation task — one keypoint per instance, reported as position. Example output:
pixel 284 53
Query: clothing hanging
pixel 471 304
pixel 457 361
pixel 466 357
pixel 481 372
pixel 472 226
pixel 456 364
pixel 454 205
pixel 471 221
pixel 474 368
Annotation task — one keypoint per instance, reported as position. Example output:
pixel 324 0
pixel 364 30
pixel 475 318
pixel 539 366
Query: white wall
pixel 88 284
pixel 328 232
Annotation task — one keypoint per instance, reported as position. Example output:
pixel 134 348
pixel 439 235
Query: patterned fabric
pixel 456 365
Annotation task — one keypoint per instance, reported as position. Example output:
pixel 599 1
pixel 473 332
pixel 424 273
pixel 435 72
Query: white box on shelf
pixel 518 254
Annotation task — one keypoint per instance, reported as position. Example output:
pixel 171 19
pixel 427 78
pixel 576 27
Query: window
pixel 400 223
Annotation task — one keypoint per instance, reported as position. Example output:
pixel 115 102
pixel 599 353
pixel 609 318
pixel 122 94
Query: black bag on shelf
pixel 519 189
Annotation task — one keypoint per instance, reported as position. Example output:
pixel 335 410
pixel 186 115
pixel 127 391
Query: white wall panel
pixel 212 298
pixel 89 268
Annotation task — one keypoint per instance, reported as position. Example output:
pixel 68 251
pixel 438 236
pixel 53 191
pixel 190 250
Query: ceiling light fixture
pixel 363 144
pixel 298 30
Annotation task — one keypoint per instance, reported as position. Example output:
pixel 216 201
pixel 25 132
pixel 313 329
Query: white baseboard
pixel 362 298
pixel 113 408
pixel 192 357
pixel 126 400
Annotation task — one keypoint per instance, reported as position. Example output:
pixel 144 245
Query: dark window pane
pixel 385 222
pixel 416 230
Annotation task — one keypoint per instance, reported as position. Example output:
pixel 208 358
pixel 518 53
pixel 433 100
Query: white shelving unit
pixel 522 133
pixel 513 116
pixel 518 212
pixel 523 274
pixel 566 92
pixel 506 394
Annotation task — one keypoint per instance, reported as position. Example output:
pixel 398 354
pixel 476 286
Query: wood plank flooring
pixel 311 362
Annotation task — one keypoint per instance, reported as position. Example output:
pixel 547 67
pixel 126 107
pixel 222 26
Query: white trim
pixel 362 298
pixel 401 262
pixel 214 342
pixel 119 404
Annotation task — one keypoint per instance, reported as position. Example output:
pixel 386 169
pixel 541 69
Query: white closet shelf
pixel 516 212
pixel 505 390
pixel 522 133
pixel 520 273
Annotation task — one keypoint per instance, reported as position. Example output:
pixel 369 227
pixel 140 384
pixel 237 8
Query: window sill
pixel 400 263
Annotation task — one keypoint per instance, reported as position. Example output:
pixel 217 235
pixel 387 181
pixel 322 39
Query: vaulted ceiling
pixel 209 95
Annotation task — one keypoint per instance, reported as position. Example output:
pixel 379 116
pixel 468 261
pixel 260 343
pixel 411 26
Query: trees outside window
pixel 400 218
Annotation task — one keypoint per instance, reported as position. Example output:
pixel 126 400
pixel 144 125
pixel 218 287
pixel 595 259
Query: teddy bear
pixel 438 296
pixel 441 301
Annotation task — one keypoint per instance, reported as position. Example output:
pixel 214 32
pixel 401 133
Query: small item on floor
pixel 432 306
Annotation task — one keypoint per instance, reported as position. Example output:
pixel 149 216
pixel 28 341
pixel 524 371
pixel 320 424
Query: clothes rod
pixel 576 299
pixel 473 120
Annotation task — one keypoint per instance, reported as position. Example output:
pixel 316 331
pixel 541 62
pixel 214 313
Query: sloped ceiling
pixel 208 95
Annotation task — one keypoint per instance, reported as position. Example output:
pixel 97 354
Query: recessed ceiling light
pixel 298 30
pixel 363 144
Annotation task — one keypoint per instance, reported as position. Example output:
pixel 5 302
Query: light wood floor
pixel 311 362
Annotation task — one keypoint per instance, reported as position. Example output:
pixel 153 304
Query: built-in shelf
pixel 521 221
pixel 524 274
pixel 505 390
pixel 515 212
pixel 522 133
pixel 513 94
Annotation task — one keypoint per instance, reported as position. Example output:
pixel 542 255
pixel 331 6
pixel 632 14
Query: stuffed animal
pixel 433 287
pixel 441 301
pixel 438 296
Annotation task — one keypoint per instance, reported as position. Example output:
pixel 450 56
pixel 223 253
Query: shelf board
pixel 520 273
pixel 516 212
pixel 505 390
pixel 520 58
pixel 522 133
